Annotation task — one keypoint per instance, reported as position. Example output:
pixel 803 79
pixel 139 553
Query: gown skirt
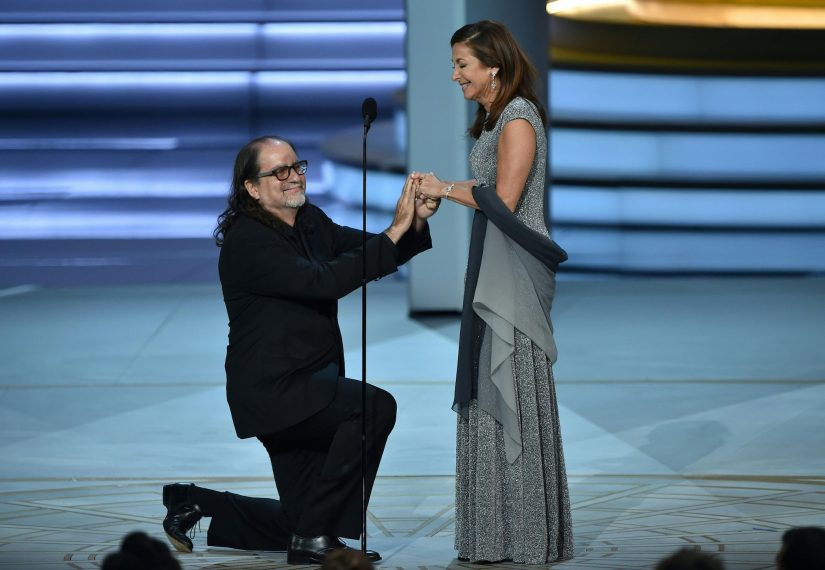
pixel 520 511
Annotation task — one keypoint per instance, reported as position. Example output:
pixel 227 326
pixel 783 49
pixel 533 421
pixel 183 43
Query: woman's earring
pixel 493 82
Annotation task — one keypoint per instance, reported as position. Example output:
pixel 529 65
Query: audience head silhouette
pixel 803 548
pixel 139 551
pixel 689 559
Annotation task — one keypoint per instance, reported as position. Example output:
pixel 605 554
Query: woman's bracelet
pixel 449 189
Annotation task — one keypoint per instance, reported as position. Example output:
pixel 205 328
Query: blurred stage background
pixel 674 148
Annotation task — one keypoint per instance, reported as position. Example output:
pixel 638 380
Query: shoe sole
pixel 304 559
pixel 179 546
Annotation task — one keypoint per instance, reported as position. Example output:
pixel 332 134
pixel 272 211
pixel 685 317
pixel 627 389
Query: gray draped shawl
pixel 510 286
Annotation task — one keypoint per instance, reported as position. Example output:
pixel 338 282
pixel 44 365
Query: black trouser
pixel 317 467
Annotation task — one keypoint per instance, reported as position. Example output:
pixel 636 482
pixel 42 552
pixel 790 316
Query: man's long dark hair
pixel 246 168
pixel 493 44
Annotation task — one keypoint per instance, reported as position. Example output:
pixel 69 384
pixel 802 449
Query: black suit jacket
pixel 281 288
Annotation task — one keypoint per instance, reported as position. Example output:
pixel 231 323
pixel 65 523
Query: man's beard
pixel 295 201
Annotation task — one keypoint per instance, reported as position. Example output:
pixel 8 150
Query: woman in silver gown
pixel 512 500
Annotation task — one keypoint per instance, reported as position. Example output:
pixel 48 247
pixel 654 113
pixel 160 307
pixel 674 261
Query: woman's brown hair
pixel 493 44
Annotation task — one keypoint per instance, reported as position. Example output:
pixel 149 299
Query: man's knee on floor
pixel 386 409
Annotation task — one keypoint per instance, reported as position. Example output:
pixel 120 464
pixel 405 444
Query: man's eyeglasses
pixel 282 172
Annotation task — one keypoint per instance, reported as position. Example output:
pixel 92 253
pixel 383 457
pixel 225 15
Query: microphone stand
pixel 368 111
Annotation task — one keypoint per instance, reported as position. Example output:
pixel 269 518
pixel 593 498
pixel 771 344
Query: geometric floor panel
pixel 627 521
pixel 690 409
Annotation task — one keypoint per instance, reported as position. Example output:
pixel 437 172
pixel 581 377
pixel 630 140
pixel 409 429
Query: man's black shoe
pixel 313 550
pixel 181 517
pixel 176 495
pixel 371 555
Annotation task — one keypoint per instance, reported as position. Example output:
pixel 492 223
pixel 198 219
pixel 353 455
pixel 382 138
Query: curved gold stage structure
pixel 733 36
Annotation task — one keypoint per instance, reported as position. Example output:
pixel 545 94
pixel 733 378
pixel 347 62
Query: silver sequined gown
pixel 519 511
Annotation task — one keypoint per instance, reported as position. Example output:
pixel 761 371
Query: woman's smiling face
pixel 472 76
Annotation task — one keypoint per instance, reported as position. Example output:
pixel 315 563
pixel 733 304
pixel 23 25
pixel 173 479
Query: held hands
pixel 413 208
pixel 425 207
pixel 428 185
pixel 405 211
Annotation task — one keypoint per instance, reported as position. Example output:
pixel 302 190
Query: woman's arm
pixel 515 154
pixel 516 151
pixel 460 192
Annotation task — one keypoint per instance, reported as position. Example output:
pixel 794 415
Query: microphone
pixel 369 110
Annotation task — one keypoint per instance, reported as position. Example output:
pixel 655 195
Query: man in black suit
pixel 283 266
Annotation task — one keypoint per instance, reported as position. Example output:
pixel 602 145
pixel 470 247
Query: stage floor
pixel 691 413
